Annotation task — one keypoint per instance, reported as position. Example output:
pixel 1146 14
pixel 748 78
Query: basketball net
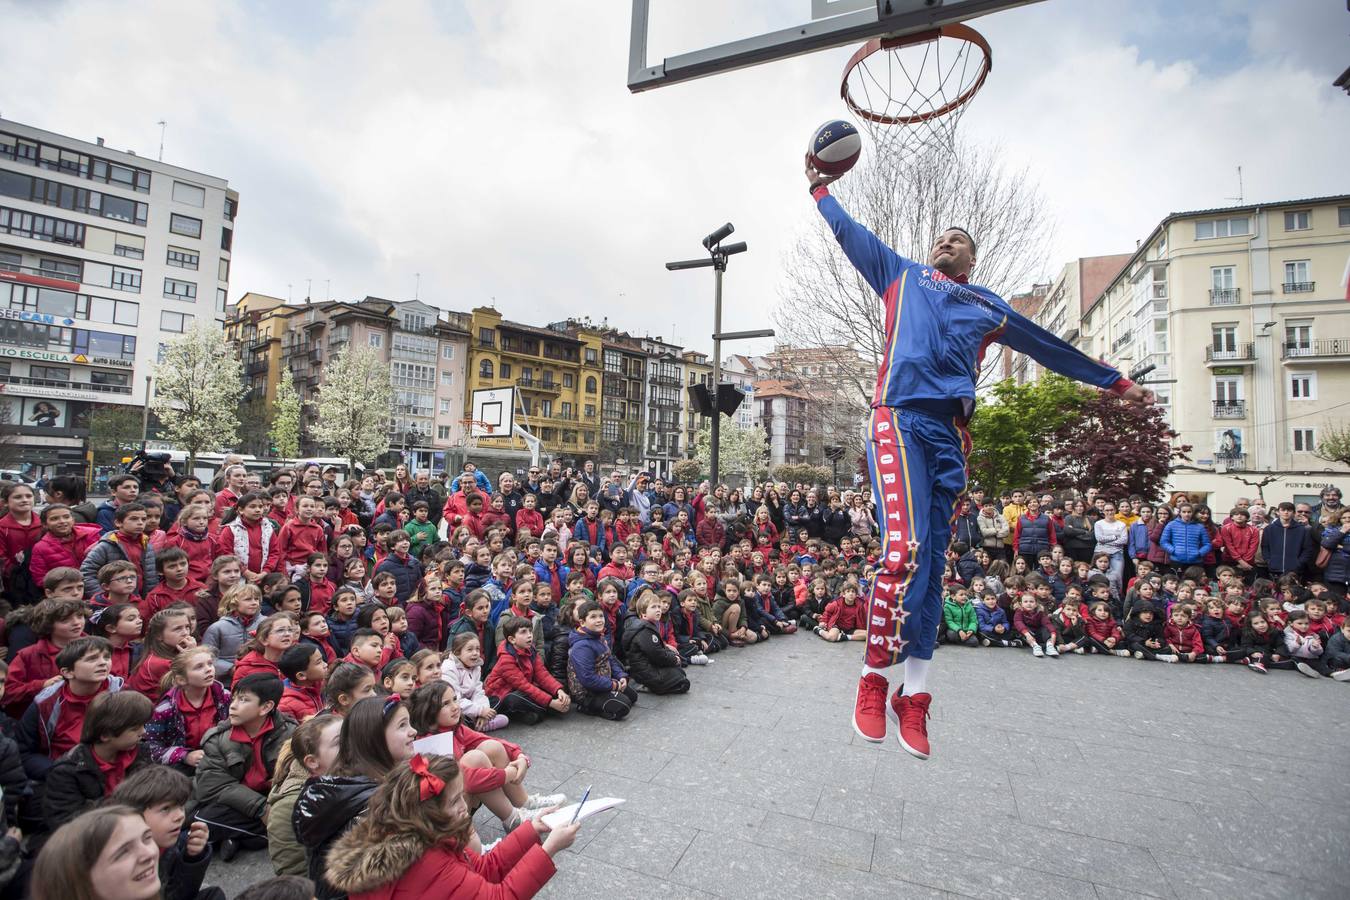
pixel 910 92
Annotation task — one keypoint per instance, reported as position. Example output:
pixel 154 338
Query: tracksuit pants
pixel 917 464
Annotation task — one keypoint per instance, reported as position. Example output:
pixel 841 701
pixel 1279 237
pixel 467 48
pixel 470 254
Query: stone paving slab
pixel 1081 777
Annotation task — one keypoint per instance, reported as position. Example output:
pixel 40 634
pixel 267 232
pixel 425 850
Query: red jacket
pixel 16 539
pixel 1239 542
pixel 1186 640
pixel 251 663
pixel 199 548
pixel 253 560
pixel 524 672
pixel 710 532
pixel 298 540
pixel 839 614
pixel 300 701
pixel 493 519
pixel 611 570
pixel 162 596
pixel 621 531
pixel 531 519
pixel 147 677
pixel 225 500
pixel 28 673
pixel 515 869
pixel 1100 630
pixel 51 552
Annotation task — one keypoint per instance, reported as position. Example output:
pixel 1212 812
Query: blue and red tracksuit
pixel 937 330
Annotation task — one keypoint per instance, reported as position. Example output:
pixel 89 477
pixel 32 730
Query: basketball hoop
pixel 911 91
pixel 473 428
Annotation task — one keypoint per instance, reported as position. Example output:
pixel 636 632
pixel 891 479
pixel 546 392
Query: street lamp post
pixel 717 259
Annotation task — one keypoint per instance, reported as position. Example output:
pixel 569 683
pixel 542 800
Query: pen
pixel 581 804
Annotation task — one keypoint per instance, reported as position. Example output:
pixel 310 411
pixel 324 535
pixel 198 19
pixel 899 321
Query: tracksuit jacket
pixel 988 619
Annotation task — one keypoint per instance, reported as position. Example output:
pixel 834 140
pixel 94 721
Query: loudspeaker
pixel 700 399
pixel 729 397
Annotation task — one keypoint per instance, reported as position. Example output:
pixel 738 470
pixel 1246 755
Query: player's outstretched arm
pixel 1025 336
pixel 876 262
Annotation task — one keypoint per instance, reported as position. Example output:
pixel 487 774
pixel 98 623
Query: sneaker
pixel 497 723
pixel 1079 650
pixel 1217 658
pixel 640 687
pixel 912 713
pixel 698 659
pixel 1258 667
pixel 1307 669
pixel 984 642
pixel 1050 649
pixel 869 708
pixel 1122 653
pixel 1167 657
pixel 1037 651
pixel 1138 654
pixel 1342 675
pixel 544 801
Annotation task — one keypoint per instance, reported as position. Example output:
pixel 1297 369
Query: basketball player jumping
pixel 937 328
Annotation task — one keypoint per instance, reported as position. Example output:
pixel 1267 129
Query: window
pixel 1227 390
pixel 376 340
pixel 443 432
pixel 447 352
pixel 1297 279
pixel 447 379
pixel 1302 385
pixel 48 373
pixel 189 194
pixel 126 279
pixel 546 407
pixel 10 262
pixel 590 410
pixel 590 357
pixel 1218 228
pixel 109 379
pixel 76 199
pixel 567 410
pixel 183 259
pixel 222 300
pixel 185 225
pixel 223 270
pixel 129 246
pixel 486 337
pixel 41 228
pixel 1298 337
pixel 226 239
pixel 1223 341
pixel 1221 278
pixel 1343 216
pixel 414 322
pixel 569 381
pixel 609 431
pixel 1304 440
pixel 445 407
pixel 612 361
pixel 485 369
pixel 231 208
pixel 1298 220
pixel 116 312
pixel 173 321
pixel 412 375
pixel 66 269
pixel 590 384
pixel 180 290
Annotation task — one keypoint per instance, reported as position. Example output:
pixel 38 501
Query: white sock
pixel 916 676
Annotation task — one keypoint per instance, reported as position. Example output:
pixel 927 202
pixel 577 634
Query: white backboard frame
pixel 495 408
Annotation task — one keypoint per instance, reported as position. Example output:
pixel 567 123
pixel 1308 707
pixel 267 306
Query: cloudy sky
pixel 493 146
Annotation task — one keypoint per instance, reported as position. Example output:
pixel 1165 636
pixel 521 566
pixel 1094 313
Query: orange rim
pixel 957 31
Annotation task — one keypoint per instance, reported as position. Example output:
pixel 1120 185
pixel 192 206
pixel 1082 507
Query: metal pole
pixel 718 268
pixel 145 415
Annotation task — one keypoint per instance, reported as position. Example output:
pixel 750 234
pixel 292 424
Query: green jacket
pixel 721 606
pixel 959 617
pixel 220 774
pixel 422 536
pixel 286 852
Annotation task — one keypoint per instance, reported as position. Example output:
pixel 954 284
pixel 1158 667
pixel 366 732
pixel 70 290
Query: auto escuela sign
pixel 8 351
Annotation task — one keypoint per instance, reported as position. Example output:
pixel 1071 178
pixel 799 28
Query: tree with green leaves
pixel 114 433
pixel 1335 444
pixel 285 430
pixel 740 451
pixel 1012 426
pixel 197 388
pixel 354 403
pixel 687 471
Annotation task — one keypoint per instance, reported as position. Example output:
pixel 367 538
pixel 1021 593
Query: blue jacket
pixel 1185 542
pixel 104 517
pixel 988 618
pixel 1287 549
pixel 1136 544
pixel 756 613
pixel 1033 535
pixel 585 652
pixel 340 635
pixel 407 574
pixel 966 529
pixel 595 534
pixel 1338 567
pixel 547 576
pixel 937 329
pixel 968 567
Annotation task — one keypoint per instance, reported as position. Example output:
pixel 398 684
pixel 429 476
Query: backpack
pixel 22 590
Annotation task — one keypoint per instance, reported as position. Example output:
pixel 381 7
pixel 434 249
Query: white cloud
pixel 494 148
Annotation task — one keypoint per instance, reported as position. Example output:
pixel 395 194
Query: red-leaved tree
pixel 1117 447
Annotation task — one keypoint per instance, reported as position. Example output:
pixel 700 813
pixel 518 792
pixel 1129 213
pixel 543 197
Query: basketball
pixel 835 147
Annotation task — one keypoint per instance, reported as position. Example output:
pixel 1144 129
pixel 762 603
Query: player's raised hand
pixel 814 176
pixel 1139 395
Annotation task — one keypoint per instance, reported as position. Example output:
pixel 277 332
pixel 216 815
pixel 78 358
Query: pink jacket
pixel 51 552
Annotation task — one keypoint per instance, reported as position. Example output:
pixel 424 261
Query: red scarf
pixel 257 778
pixel 133 547
pixel 113 772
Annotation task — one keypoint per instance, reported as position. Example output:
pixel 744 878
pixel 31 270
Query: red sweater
pixel 148 675
pixel 300 701
pixel 298 540
pixel 524 672
pixel 514 869
pixel 162 596
pixel 28 673
pixel 251 663
pixel 199 548
pixel 531 519
pixel 841 615
pixel 1100 630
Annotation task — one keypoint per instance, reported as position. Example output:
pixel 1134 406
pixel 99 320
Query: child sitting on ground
pixel 651 663
pixel 52 724
pixel 519 684
pixel 304 669
pixel 109 750
pixel 238 618
pixel 960 624
pixel 693 642
pixel 239 756
pixel 730 611
pixel 1035 627
pixel 1303 645
pixel 1072 631
pixel 1144 635
pixel 1182 637
pixel 160 795
pixel 463 669
pixel 994 628
pixel 168 634
pixel 399 677
pixel 1102 633
pixel 595 677
pixel 844 619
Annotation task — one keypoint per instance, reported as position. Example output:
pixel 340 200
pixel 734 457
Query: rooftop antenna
pixel 288 292
pixel 309 289
pixel 162 126
pixel 417 288
pixel 327 283
pixel 1238 198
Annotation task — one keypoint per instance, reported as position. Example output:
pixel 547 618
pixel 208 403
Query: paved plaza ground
pixel 1077 777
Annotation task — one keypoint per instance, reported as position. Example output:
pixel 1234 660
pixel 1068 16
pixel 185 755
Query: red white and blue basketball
pixel 835 147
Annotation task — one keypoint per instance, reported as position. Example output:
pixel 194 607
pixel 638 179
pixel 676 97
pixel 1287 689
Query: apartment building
pixel 787 416
pixel 623 404
pixel 1243 314
pixel 666 402
pixel 1060 306
pixel 557 373
pixel 104 256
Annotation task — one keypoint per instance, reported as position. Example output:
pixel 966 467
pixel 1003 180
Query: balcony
pixel 256 367
pixel 253 394
pixel 65 281
pixel 672 380
pixel 519 348
pixel 1319 350
pixel 673 402
pixel 535 384
pixel 1230 409
pixel 1121 341
pixel 123 389
pixel 1230 460
pixel 1300 287
pixel 1225 296
pixel 1239 354
pixel 315 355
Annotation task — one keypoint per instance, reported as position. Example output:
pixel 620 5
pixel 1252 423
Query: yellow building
pixel 257 325
pixel 556 372
pixel 1243 313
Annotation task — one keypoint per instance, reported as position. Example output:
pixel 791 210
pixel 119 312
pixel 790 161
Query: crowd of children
pixel 258 661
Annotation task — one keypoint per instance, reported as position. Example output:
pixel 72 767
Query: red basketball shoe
pixel 869 709
pixel 912 713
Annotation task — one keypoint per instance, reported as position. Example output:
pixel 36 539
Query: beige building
pixel 1243 313
pixel 1059 306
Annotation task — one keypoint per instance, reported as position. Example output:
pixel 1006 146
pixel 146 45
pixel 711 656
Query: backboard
pixel 493 412
pixel 679 40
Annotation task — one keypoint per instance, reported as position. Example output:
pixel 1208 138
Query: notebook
pixel 593 806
